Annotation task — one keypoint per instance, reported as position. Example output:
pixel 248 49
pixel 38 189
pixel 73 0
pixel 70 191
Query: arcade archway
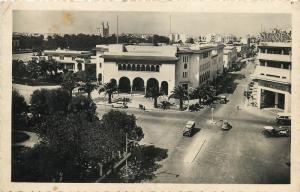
pixel 152 82
pixel 164 88
pixel 124 85
pixel 138 85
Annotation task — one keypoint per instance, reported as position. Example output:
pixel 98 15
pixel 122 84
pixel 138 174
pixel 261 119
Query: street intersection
pixel 241 155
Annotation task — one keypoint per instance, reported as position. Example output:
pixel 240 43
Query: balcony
pixel 274 57
pixel 272 74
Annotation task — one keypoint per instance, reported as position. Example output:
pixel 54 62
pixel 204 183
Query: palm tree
pixel 180 93
pixel 153 92
pixel 88 88
pixel 204 92
pixel 109 89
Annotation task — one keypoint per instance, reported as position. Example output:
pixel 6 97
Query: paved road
pixel 241 155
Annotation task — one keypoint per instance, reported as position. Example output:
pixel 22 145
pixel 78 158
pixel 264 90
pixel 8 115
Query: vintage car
pixel 189 128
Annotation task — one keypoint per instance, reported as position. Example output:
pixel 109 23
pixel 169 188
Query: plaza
pixel 241 155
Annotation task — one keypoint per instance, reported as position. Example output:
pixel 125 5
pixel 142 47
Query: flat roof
pixel 139 57
pixel 67 52
pixel 275 44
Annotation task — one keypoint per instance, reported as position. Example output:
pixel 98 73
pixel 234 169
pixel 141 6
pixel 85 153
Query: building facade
pixel 229 57
pixel 72 60
pixel 136 68
pixel 273 76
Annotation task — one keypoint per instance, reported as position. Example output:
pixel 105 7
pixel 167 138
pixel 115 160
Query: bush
pixel 165 105
pixel 195 107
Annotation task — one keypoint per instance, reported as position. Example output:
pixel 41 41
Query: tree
pixel 190 40
pixel 204 93
pixel 88 88
pixel 154 93
pixel 44 102
pixel 33 70
pixel 180 93
pixel 18 68
pixel 121 123
pixel 69 82
pixel 19 109
pixel 109 89
pixel 83 105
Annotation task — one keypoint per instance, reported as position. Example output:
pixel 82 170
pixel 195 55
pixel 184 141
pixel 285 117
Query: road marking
pixel 194 151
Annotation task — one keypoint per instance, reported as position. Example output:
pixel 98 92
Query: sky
pixel 194 24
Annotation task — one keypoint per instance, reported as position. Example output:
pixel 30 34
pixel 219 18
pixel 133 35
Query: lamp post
pixel 126 151
pixel 212 116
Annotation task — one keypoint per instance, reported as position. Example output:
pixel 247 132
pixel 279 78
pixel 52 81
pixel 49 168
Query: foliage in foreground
pixel 73 147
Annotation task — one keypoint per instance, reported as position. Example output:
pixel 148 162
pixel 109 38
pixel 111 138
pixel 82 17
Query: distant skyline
pixel 194 24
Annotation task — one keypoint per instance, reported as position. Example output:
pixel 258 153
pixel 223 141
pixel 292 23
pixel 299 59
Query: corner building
pixel 136 68
pixel 273 76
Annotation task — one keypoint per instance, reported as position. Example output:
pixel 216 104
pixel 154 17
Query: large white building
pixel 72 60
pixel 230 56
pixel 135 68
pixel 273 76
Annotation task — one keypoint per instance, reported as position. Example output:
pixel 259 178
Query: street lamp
pixel 126 151
pixel 212 116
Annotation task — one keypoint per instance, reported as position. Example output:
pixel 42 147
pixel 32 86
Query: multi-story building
pixel 272 76
pixel 229 57
pixel 135 68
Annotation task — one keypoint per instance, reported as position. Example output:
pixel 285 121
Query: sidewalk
pixel 138 99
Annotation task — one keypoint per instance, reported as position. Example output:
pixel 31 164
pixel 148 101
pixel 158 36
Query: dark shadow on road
pixel 195 131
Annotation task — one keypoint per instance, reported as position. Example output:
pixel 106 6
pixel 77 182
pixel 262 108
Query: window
pixel 138 67
pixel 185 66
pixel 152 68
pixel 73 58
pixel 147 68
pixel 119 67
pixel 133 68
pixel 128 67
pixel 100 64
pixel 61 57
pixel 143 68
pixel 157 68
pixel 184 74
pixel 185 58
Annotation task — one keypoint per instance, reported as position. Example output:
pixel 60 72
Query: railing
pixel 274 57
pixel 272 74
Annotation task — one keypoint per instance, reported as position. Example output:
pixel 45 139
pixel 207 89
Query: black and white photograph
pixel 151 97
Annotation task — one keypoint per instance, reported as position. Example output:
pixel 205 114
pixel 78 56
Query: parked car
pixel 120 104
pixel 283 119
pixel 189 128
pixel 223 99
pixel 282 131
pixel 226 125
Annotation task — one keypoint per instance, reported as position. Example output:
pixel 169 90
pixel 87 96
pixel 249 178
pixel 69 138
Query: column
pixel 276 100
pixel 145 89
pixel 83 66
pixel 287 102
pixel 76 67
pixel 258 97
